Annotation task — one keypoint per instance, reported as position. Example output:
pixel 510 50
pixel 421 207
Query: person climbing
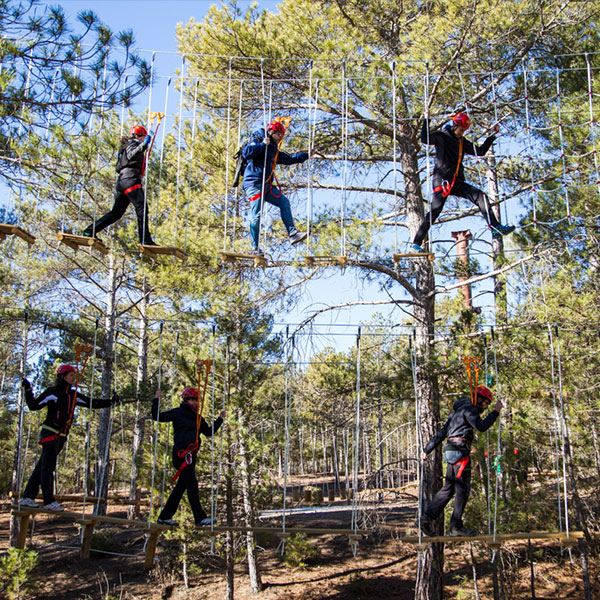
pixel 260 171
pixel 449 177
pixel 458 429
pixel 60 401
pixel 131 162
pixel 187 427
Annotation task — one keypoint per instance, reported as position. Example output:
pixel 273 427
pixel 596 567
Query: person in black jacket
pixel 186 441
pixel 60 401
pixel 131 163
pixel 449 176
pixel 458 429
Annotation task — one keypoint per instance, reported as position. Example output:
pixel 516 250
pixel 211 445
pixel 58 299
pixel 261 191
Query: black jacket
pixel 58 400
pixel 460 424
pixel 446 152
pixel 130 160
pixel 184 424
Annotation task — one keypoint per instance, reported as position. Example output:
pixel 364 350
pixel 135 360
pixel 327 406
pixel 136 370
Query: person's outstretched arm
pixel 208 431
pixel 436 440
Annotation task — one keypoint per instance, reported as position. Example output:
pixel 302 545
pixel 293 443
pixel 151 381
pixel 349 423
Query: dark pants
pixel 462 190
pixel 452 485
pixel 187 482
pixel 122 201
pixel 44 469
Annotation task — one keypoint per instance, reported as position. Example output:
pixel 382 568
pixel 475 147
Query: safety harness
pixel 187 454
pixel 446 187
pixel 80 349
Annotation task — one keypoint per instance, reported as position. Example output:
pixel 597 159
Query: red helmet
pixel 138 130
pixel 276 126
pixel 64 369
pixel 484 392
pixel 190 392
pixel 462 120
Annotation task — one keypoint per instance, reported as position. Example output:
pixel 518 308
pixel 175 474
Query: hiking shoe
pixel 55 506
pixel 28 502
pixel 171 522
pixel 297 236
pixel 150 243
pixel 500 230
pixel 417 249
pixel 461 531
pixel 206 522
pixel 426 526
pixel 257 252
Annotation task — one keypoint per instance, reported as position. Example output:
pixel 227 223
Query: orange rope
pixel 207 364
pixel 472 364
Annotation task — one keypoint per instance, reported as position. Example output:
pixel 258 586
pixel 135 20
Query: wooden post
pixel 296 495
pixel 307 495
pixel 23 529
pixel 331 495
pixel 86 544
pixel 152 535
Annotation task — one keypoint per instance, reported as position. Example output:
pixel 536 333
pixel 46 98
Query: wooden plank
pixel 86 544
pixel 7 229
pixel 76 241
pixel 150 549
pixel 500 538
pixel 313 260
pixel 428 255
pixel 155 251
pixel 259 260
pixel 23 529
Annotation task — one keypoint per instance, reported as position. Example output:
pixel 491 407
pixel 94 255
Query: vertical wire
pixel 227 143
pixel 179 132
pixel 495 105
pixel 529 144
pixel 162 154
pixel 191 162
pixel 429 190
pixel 156 422
pixel 237 194
pixel 148 123
pixel 487 454
pixel 356 436
pixel 344 99
pixel 286 411
pixel 557 425
pixel 394 151
pixel 419 436
pixel 264 175
pixel 563 424
pixel 263 206
pixel 498 445
pixel 309 167
pixel 123 108
pixel 213 507
pixel 562 143
pixel 592 122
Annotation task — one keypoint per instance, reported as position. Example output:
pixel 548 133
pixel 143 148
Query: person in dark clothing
pixel 60 401
pixel 186 441
pixel 449 177
pixel 458 429
pixel 260 171
pixel 131 163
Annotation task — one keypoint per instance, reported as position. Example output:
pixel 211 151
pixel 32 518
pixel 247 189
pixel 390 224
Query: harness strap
pixel 446 187
pixel 137 186
pixel 187 455
pixel 49 438
pixel 463 462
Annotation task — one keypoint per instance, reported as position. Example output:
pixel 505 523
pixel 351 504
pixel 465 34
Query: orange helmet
pixel 462 120
pixel 190 392
pixel 138 130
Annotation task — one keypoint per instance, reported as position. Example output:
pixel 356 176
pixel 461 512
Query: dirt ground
pixel 383 567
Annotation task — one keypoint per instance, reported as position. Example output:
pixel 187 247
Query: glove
pixel 115 398
pixel 147 140
pixel 26 385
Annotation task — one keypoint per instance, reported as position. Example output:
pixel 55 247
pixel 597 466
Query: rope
pixel 562 143
pixel 310 146
pixel 162 153
pixel 227 150
pixel 419 435
pixel 156 422
pixel 179 131
pixel 593 131
pixel 286 417
pixel 498 444
pixel 264 175
pixel 236 194
pixel 190 163
pixel 429 188
pixel 394 152
pixel 354 525
pixel 148 124
pixel 344 100
pixel 213 507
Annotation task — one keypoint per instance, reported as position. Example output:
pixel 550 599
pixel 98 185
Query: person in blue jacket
pixel 186 441
pixel 59 401
pixel 458 429
pixel 262 155
pixel 449 175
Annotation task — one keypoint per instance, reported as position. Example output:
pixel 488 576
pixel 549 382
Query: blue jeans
pixel 276 198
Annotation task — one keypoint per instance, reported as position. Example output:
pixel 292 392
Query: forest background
pixel 357 87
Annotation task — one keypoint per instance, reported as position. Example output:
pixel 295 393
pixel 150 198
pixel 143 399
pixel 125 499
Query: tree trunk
pixel 429 579
pixel 140 423
pixel 105 425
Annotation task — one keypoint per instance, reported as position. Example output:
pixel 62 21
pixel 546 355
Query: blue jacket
pixel 254 153
pixel 460 424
